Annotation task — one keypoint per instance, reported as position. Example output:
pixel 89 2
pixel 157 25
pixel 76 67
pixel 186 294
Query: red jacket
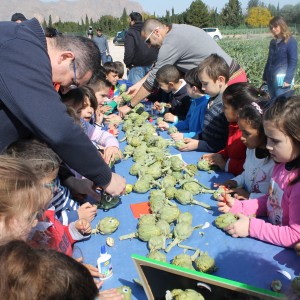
pixel 234 151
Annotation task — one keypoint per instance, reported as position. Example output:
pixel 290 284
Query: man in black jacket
pixel 138 57
pixel 29 105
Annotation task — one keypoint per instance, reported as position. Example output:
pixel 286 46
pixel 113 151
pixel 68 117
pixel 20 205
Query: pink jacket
pixel 281 205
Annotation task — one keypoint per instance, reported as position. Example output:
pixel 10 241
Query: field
pixel 252 55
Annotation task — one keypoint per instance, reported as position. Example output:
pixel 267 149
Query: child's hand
pixel 87 211
pixel 163 126
pixel 111 294
pixel 117 99
pixel 190 144
pixel 177 136
pixel 99 115
pixel 113 118
pixel 93 270
pixel 215 159
pixel 105 108
pixel 157 106
pixel 240 193
pixel 225 202
pixel 240 228
pixel 297 248
pixel 113 129
pixel 83 226
pixel 110 153
pixel 169 117
pixel 228 183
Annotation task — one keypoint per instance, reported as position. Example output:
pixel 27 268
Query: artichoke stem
pixel 128 236
pixel 201 204
pixel 172 244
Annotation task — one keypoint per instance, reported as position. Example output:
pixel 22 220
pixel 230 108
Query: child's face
pixel 280 145
pixel 230 113
pixel 250 137
pixel 112 78
pixel 102 95
pixel 166 87
pixel 210 87
pixel 87 110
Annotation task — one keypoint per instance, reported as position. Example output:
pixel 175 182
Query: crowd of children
pixel 241 130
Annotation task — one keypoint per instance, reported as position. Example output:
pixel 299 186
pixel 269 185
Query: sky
pixel 160 6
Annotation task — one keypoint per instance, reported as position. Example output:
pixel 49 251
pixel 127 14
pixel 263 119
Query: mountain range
pixel 67 10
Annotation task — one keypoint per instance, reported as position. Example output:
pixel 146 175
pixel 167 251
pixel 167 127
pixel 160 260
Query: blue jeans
pixel 103 58
pixel 275 90
pixel 137 73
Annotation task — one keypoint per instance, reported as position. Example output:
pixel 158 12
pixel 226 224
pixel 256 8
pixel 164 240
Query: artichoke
pixel 168 213
pixel 217 193
pixel 156 243
pixel 296 285
pixel 205 165
pixel 135 141
pixel 128 188
pixel 178 175
pixel 156 204
pixel 224 220
pixel 165 228
pixel 159 120
pixel 125 291
pixel 188 294
pixel 172 129
pixel 126 97
pixel 185 197
pixel 107 225
pixel 157 256
pixel 185 217
pixel 177 164
pixel 192 168
pixel 122 88
pixel 147 220
pixel 135 168
pixel 205 263
pixel 144 233
pixel 170 192
pixel 182 231
pixel 141 186
pixel 107 201
pixel 180 144
pixel 168 181
pixel 183 260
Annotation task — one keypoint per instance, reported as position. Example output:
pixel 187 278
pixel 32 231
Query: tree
pixel 258 17
pixel 214 18
pixel 44 24
pixel 50 21
pixel 197 14
pixel 124 19
pixel 272 9
pixel 231 14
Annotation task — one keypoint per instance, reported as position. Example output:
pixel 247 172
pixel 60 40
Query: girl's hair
pixel 285 31
pixel 89 93
pixel 120 68
pixel 39 156
pixel 73 97
pixel 21 195
pixel 240 94
pixel 28 273
pixel 284 114
pixel 191 77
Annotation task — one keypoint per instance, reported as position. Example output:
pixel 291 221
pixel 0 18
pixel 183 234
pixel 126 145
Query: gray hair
pixel 150 25
pixel 85 50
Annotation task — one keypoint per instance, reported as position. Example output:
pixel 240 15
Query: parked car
pixel 213 32
pixel 119 39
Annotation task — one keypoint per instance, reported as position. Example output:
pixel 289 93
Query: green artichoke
pixel 125 291
pixel 276 286
pixel 224 220
pixel 183 260
pixel 107 225
pixel 146 220
pixel 186 197
pixel 185 217
pixel 188 294
pixel 205 263
pixel 156 243
pixel 141 186
pixel 168 213
pixel 159 256
pixel 296 285
pixel 172 129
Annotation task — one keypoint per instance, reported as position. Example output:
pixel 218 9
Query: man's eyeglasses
pixel 147 40
pixel 74 82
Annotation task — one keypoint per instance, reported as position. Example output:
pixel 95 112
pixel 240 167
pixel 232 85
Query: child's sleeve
pixel 75 234
pixel 190 134
pixel 249 207
pixel 104 138
pixel 236 166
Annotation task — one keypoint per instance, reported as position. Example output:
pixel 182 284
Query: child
pixel 45 162
pixel 213 73
pixel 255 179
pixel 45 274
pixel 120 69
pixel 193 123
pixel 22 199
pixel 168 78
pixel 232 157
pixel 281 203
pixel 111 72
pixel 98 136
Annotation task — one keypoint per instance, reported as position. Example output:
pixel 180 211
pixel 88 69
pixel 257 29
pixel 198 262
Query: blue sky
pixel 160 6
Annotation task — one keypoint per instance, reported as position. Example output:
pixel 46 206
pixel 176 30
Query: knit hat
pixel 18 17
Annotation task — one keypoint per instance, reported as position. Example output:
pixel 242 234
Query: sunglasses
pixel 147 40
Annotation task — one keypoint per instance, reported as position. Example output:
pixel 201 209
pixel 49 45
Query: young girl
pixel 22 199
pixel 98 136
pixel 193 123
pixel 281 203
pixel 258 166
pixel 232 157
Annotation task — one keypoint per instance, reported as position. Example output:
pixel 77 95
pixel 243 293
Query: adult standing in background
pixel 282 61
pixel 101 42
pixel 28 109
pixel 138 57
pixel 183 46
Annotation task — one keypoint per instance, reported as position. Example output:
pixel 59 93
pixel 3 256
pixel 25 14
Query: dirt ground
pixel 117 53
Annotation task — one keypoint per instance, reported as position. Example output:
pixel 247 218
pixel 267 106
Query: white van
pixel 213 32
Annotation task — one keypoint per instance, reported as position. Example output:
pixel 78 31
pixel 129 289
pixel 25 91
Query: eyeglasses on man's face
pixel 147 40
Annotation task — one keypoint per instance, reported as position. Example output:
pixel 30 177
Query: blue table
pixel 243 259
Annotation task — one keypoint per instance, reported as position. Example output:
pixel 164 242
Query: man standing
pixel 18 18
pixel 29 105
pixel 138 57
pixel 101 42
pixel 183 46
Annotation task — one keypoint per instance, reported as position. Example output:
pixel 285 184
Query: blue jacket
pixel 283 58
pixel 30 106
pixel 193 123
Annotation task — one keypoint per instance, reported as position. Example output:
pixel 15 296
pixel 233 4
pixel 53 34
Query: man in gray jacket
pixel 101 42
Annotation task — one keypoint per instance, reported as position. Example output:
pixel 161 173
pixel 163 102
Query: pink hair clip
pixel 258 108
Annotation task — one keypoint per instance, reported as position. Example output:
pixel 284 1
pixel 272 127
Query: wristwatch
pixel 130 105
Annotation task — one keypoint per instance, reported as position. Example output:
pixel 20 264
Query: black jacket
pixel 30 106
pixel 137 53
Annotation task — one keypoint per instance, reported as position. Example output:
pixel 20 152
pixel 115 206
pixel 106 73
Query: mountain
pixel 67 10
